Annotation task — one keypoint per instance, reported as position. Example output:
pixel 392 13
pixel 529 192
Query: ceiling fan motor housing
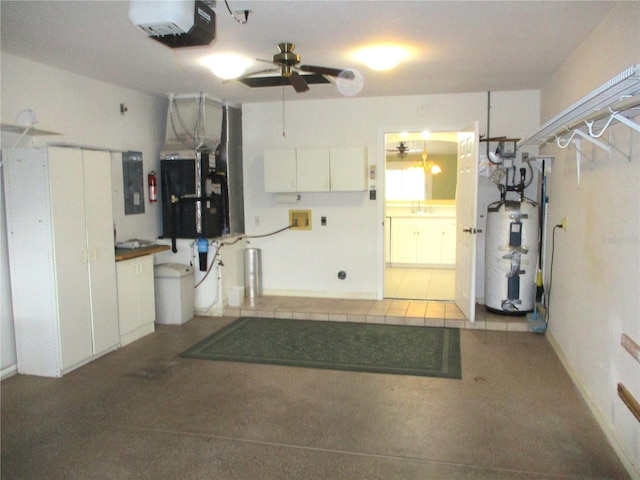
pixel 286 58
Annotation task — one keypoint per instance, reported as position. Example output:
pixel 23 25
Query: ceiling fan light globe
pixel 227 66
pixel 350 82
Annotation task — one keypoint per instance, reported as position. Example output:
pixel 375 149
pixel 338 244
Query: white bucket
pixel 236 296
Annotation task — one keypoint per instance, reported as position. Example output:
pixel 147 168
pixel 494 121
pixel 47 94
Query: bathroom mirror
pixel 415 159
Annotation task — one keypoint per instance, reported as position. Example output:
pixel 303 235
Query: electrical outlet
pixel 564 222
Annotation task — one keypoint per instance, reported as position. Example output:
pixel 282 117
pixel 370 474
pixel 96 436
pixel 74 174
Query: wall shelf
pixel 7 127
pixel 616 100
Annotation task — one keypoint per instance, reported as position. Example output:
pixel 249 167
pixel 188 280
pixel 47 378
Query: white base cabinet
pixel 136 298
pixel 429 241
pixel 62 259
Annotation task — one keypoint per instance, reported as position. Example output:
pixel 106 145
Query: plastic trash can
pixel 175 293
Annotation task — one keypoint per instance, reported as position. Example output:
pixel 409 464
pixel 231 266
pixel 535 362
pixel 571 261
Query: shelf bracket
pixel 593 140
pixel 579 154
pixel 626 121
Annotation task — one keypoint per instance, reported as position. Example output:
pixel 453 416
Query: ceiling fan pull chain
pixel 284 134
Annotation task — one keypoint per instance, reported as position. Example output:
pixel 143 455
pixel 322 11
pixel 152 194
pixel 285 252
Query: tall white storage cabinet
pixel 61 257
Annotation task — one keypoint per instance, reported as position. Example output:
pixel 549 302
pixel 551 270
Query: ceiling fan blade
pixel 252 74
pixel 298 82
pixel 333 72
pixel 278 80
pixel 267 61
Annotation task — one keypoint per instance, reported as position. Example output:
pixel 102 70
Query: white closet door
pixel 102 268
pixel 71 256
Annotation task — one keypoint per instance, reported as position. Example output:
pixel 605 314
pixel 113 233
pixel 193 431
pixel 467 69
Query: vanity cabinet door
pixel 428 242
pixel 403 241
pixel 449 242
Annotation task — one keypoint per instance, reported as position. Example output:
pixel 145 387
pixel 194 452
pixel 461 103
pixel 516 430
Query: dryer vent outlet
pixel 300 219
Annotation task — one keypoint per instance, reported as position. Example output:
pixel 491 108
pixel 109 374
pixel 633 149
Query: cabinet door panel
pixel 348 169
pixel 449 242
pixel 429 246
pixel 127 295
pixel 312 169
pixel 280 170
pixel 146 291
pixel 72 272
pixel 403 242
pixel 102 269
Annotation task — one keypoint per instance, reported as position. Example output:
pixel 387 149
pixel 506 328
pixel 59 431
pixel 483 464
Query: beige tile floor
pixel 388 311
pixel 420 283
pixel 144 412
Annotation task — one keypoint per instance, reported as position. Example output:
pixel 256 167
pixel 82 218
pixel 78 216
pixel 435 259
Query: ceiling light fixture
pixel 227 65
pixel 382 57
pixel 430 166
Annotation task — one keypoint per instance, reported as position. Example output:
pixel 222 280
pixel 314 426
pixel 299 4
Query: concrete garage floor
pixel 143 412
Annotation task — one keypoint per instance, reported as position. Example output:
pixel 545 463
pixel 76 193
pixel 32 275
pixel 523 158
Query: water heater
pixel 511 254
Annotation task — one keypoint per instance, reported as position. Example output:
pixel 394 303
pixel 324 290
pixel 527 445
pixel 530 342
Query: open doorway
pixel 420 215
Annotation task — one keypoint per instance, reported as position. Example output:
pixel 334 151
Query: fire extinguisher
pixel 153 187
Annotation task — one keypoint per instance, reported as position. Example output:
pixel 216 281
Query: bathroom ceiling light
pixel 382 57
pixel 227 65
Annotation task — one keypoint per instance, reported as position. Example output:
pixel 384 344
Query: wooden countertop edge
pixel 128 254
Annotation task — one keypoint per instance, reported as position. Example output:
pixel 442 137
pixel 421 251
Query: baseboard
pixel 605 425
pixel 8 372
pixel 314 294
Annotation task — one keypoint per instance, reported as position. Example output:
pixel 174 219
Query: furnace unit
pixel 201 186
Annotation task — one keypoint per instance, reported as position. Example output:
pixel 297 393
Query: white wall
pixel 307 262
pixel 596 275
pixel 87 113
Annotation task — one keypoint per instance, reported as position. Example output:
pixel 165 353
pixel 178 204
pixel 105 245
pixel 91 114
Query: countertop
pixel 428 216
pixel 129 253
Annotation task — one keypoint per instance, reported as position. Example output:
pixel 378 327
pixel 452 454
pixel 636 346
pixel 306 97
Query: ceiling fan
pixel 402 150
pixel 288 72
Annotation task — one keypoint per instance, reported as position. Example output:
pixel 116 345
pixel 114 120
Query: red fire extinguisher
pixel 153 187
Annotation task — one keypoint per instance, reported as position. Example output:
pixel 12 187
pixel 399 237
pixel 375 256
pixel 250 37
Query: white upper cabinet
pixel 280 170
pixel 348 169
pixel 313 169
pixel 335 169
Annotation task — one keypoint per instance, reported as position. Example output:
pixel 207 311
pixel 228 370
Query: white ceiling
pixel 461 46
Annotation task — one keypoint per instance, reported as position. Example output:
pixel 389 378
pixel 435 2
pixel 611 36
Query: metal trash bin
pixel 252 273
pixel 175 293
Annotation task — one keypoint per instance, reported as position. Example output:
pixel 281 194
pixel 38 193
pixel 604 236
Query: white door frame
pixel 380 190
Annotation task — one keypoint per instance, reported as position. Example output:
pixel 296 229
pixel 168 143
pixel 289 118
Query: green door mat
pixel 360 347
